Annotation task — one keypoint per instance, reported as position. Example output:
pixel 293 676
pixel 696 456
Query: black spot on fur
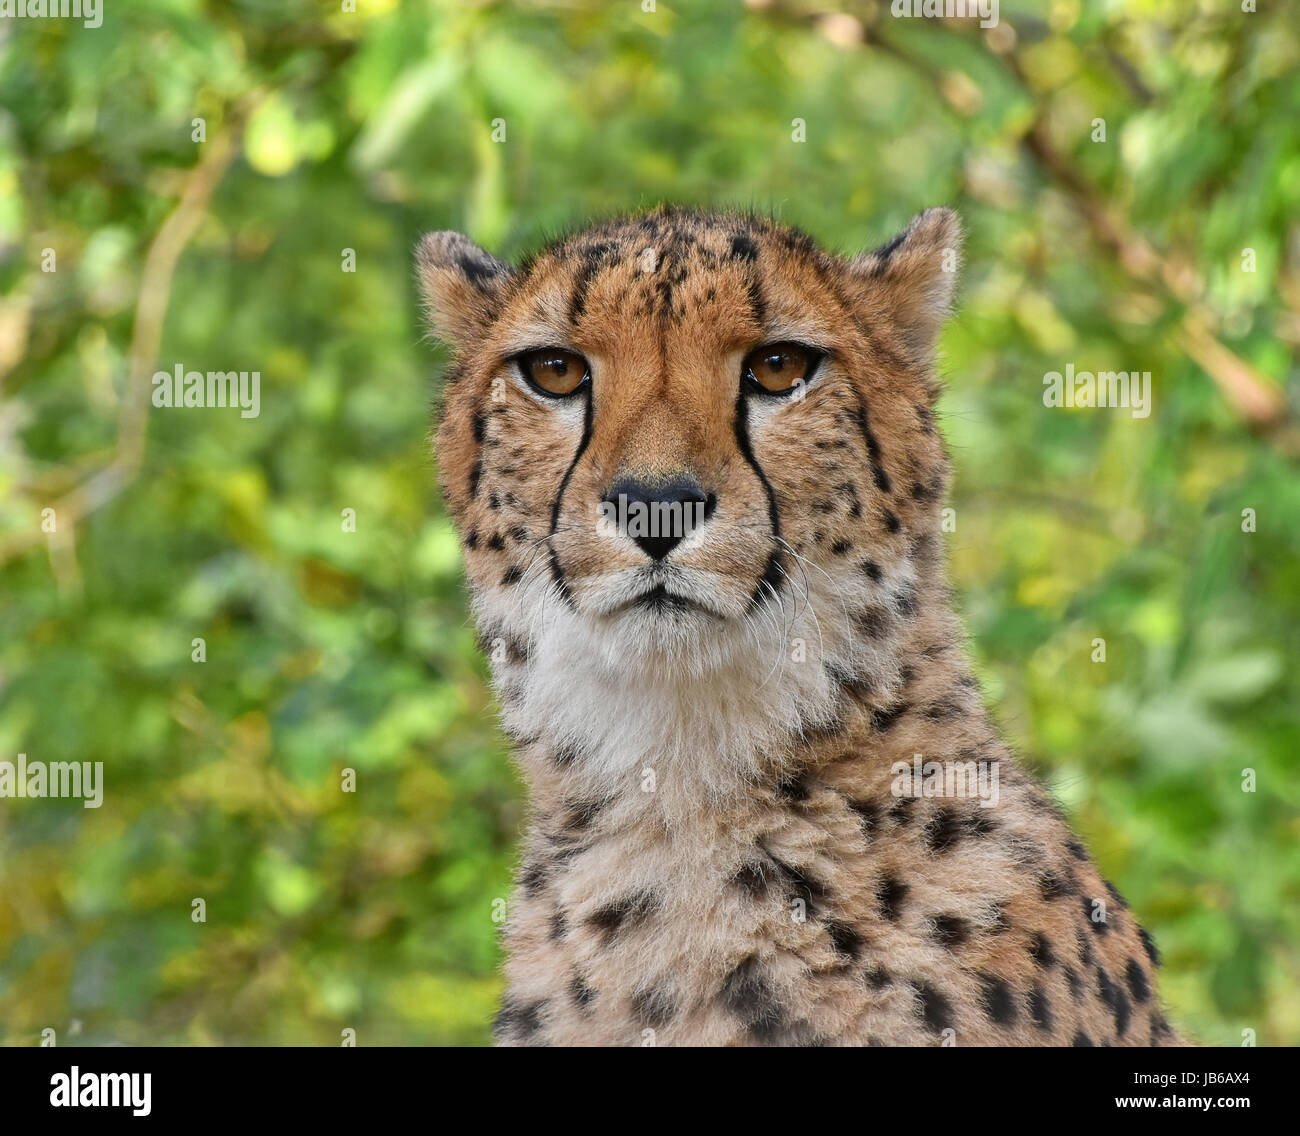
pixel 943 711
pixel 518 1019
pixel 998 922
pixel 853 683
pixel 936 1012
pixel 496 542
pixel 471 540
pixel 582 813
pixel 1074 982
pixel 628 911
pixel 924 547
pixel 565 756
pixel 475 472
pixel 873 621
pixel 871 570
pixel 840 547
pixel 1082 1040
pixel 512 576
pixel 750 879
pixel 1138 985
pixel 566 848
pixel 905 602
pixel 844 938
pixel 890 893
pixel 1085 946
pixel 799 884
pixel 949 930
pixel 1051 886
pixel 878 978
pixel 900 812
pixel 747 994
pixel 1077 850
pixel 480 426
pixel 654 1007
pixel 792 787
pixel 883 720
pixel 1149 945
pixel 533 877
pixel 1040 1009
pixel 582 994
pixel 868 816
pixel 997 999
pixel 892 523
pixel 1114 894
pixel 950 825
pixel 1040 950
pixel 1115 998
pixel 743 247
pixel 559 925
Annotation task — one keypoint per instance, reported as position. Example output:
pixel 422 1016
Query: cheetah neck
pixel 596 718
pixel 654 903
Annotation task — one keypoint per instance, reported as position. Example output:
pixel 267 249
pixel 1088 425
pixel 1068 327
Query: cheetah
pixel 750 738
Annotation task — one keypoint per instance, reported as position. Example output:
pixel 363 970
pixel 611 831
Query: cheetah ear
pixel 912 278
pixel 461 285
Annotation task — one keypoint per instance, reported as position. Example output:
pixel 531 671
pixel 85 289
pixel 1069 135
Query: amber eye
pixel 553 371
pixel 780 367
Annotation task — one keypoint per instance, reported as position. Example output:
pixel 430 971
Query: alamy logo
pixel 975 779
pixel 1129 389
pixel 56 779
pixel 87 11
pixel 986 10
pixel 180 387
pixel 102 1090
pixel 653 520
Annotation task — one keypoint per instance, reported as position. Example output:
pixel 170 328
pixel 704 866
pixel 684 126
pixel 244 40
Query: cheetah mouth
pixel 659 601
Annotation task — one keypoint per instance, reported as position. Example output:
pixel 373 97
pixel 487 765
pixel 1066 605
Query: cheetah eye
pixel 779 368
pixel 552 371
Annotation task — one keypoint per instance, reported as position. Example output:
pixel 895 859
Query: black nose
pixel 661 515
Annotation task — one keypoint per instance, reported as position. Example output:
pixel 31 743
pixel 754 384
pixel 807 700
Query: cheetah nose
pixel 660 515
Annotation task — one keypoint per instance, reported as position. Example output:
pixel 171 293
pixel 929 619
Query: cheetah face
pixel 680 430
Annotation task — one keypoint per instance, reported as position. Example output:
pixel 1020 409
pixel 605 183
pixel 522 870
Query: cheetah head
pixel 676 440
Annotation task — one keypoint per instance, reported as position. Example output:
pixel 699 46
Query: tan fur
pixel 716 855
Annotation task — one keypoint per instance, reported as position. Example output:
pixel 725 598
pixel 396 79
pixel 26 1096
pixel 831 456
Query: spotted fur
pixel 715 855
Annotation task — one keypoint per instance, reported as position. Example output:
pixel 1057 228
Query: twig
pixel 146 336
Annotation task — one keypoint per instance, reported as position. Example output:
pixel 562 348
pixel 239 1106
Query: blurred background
pixel 1114 161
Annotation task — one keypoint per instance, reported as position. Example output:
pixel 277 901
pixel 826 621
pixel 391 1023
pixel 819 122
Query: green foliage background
pixel 328 650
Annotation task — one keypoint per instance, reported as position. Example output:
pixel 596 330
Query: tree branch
pixel 156 277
